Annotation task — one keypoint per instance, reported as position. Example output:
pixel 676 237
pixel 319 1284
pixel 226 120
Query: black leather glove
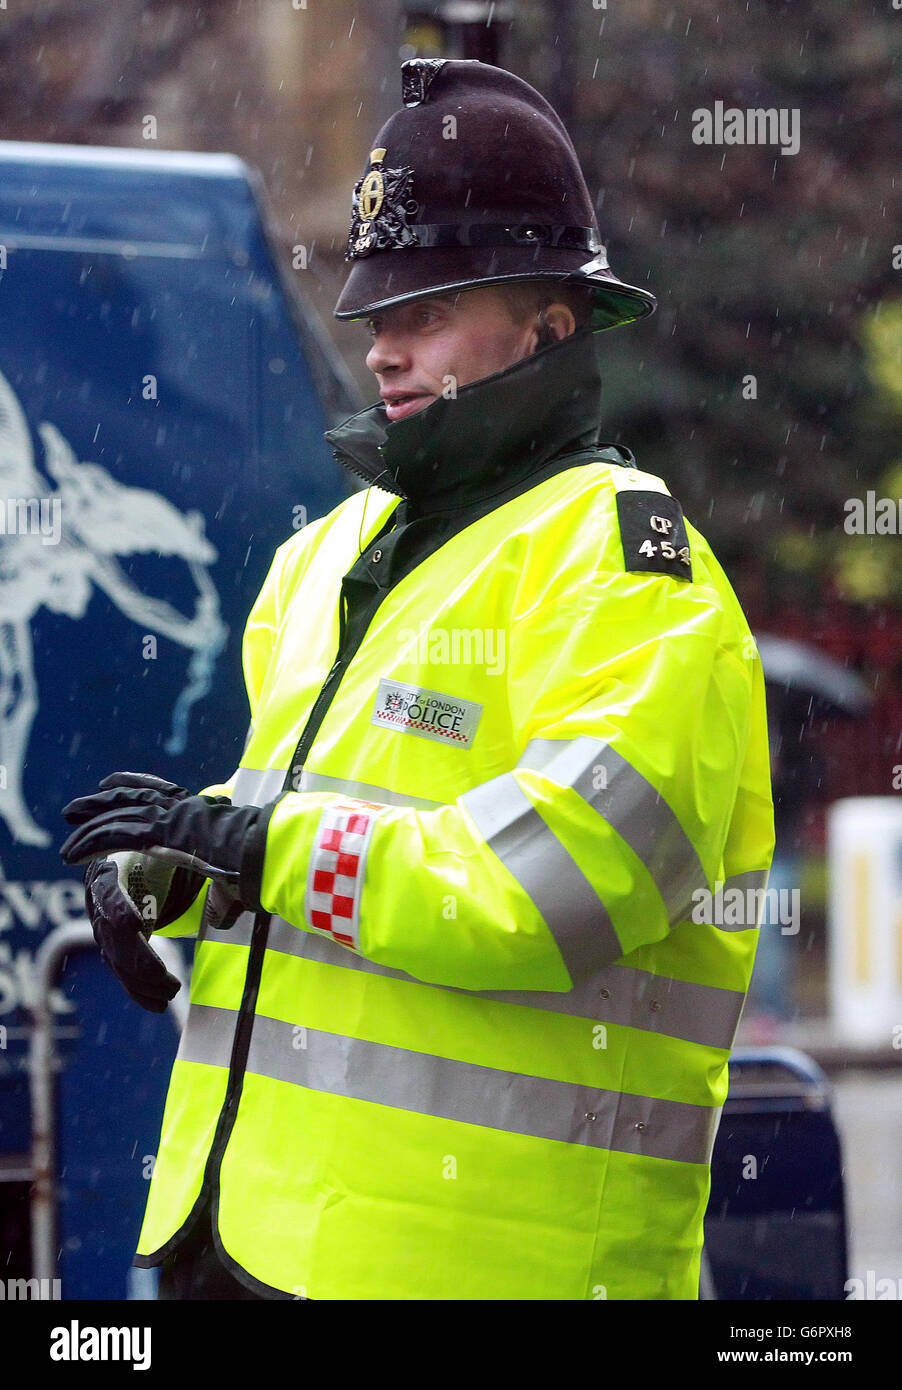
pixel 204 834
pixel 121 929
pixel 127 897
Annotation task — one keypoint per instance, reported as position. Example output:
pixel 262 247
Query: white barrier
pixel 864 846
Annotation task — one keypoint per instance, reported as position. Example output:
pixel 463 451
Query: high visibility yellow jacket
pixel 510 734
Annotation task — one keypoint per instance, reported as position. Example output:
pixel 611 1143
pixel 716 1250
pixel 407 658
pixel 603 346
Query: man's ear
pixel 552 324
pixel 560 320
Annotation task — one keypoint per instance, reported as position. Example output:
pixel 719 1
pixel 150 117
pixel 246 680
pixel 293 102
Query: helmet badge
pixel 372 189
pixel 380 208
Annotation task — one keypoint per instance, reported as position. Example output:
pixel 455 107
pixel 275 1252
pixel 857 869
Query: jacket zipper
pixel 346 461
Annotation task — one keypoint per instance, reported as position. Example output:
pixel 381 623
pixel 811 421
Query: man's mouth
pixel 401 403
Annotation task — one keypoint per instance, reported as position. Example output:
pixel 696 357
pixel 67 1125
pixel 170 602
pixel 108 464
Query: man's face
pixel 435 345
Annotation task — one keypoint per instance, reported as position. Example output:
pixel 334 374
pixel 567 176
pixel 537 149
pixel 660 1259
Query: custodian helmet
pixel 475 181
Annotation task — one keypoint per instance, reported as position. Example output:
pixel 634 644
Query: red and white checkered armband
pixel 336 869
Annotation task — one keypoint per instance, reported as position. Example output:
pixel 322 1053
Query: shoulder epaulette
pixel 652 527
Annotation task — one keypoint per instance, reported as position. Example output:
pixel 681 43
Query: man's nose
pixel 387 352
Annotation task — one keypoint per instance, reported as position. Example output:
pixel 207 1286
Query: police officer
pixel 464 992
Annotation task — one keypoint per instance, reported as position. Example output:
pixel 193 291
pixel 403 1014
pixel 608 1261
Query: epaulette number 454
pixel 667 550
pixel 653 533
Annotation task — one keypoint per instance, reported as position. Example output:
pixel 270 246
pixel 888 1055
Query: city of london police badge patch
pixel 380 208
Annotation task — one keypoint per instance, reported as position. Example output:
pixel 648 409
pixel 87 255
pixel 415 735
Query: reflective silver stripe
pixel 754 879
pixel 634 808
pixel 631 998
pixel 208 1035
pixel 464 1092
pixel 365 791
pixel 256 787
pixel 619 994
pixel 572 910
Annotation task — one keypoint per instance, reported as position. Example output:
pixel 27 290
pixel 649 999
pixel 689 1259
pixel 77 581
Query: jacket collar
pixel 493 433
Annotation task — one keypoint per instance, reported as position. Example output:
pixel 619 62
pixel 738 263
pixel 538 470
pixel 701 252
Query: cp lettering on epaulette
pixel 653 533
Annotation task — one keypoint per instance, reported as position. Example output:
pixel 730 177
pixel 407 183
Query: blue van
pixel 164 391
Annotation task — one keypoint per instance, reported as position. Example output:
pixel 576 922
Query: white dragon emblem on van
pixel 99 519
